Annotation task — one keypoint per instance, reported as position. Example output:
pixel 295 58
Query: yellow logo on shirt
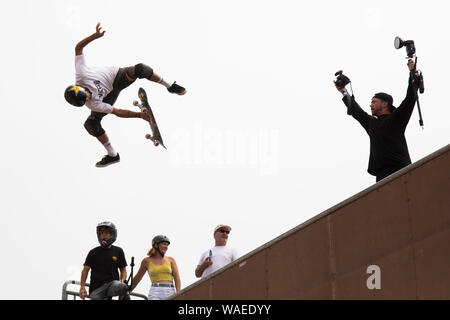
pixel 114 258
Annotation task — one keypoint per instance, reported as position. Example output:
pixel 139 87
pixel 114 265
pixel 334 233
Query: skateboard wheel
pixel 147 136
pixel 135 103
pixel 156 143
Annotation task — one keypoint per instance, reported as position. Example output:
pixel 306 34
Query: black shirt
pixel 388 148
pixel 105 264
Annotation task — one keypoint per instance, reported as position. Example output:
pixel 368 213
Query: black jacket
pixel 388 148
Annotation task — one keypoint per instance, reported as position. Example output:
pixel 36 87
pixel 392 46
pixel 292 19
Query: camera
pixel 409 44
pixel 341 80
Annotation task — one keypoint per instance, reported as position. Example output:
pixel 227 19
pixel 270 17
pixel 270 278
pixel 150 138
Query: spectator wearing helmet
pixel 218 256
pixel 105 262
pixel 162 270
pixel 99 87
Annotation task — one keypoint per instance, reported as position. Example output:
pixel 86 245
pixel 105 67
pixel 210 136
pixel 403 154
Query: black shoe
pixel 107 160
pixel 174 88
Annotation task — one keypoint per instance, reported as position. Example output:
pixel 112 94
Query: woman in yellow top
pixel 163 271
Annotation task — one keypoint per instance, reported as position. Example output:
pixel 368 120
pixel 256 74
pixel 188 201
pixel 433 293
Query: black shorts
pixel 93 122
pixel 120 83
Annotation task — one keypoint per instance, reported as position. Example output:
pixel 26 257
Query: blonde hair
pixel 151 252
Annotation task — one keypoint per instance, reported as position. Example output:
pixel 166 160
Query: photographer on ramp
pixel 385 127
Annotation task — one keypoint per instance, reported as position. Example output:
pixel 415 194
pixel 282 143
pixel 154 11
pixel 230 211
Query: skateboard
pixel 144 105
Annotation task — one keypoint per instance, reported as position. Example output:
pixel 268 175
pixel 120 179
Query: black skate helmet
pixel 157 240
pixel 75 95
pixel 106 225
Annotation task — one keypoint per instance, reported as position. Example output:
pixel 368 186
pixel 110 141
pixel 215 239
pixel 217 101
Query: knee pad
pixel 143 71
pixel 93 127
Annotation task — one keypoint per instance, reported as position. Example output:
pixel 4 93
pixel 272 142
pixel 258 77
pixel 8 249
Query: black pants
pixel 387 172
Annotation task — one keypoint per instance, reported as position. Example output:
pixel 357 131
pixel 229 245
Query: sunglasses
pixel 223 231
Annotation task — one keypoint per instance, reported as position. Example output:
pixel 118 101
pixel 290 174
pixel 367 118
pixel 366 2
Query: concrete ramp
pixel 390 241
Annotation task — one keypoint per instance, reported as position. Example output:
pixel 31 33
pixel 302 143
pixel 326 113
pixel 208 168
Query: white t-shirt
pixel 99 80
pixel 221 256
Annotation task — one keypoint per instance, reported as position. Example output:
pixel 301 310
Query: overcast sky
pixel 261 141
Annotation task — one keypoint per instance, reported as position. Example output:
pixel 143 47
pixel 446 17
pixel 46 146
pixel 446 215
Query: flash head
pixel 398 43
pixel 409 44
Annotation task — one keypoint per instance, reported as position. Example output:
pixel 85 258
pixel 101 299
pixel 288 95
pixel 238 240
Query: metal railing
pixel 66 293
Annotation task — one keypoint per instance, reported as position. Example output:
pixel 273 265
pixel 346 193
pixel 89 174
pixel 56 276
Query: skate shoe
pixel 174 88
pixel 107 160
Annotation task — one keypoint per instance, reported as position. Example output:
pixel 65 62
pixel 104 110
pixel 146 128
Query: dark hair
pixel 387 98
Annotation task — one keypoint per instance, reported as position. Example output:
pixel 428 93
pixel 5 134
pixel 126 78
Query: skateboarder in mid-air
pixel 99 87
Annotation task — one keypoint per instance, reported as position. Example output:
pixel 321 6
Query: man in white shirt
pixel 99 87
pixel 218 256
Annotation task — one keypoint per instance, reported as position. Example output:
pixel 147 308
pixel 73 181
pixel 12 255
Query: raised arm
pixel 353 108
pixel 405 109
pixel 83 43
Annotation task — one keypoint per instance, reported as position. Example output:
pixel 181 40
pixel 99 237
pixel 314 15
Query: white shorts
pixel 160 293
